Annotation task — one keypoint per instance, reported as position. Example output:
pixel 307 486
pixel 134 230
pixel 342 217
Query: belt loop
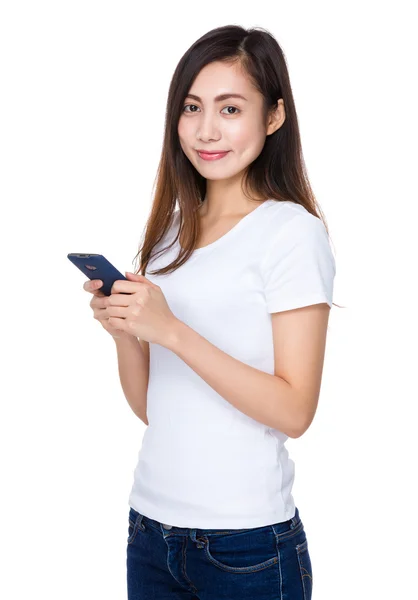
pixel 194 539
pixel 139 519
pixel 295 519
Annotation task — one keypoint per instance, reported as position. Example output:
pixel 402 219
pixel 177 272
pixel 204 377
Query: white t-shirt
pixel 203 463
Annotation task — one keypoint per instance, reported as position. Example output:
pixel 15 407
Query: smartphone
pixel 96 266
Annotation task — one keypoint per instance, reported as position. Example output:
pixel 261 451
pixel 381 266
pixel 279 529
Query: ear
pixel 276 117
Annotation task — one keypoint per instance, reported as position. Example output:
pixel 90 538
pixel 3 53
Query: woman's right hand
pixel 99 303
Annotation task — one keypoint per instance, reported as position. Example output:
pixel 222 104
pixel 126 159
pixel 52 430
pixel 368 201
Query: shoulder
pixel 296 235
pixel 290 222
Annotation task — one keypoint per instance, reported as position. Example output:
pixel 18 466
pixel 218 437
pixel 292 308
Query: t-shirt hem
pixel 279 516
pixel 282 305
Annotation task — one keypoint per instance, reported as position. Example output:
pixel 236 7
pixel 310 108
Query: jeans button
pixel 167 526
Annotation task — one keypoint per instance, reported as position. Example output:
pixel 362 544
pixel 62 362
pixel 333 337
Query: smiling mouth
pixel 211 155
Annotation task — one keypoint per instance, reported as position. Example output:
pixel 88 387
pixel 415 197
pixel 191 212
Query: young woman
pixel 221 339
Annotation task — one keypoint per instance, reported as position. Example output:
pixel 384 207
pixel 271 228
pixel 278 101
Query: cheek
pixel 248 139
pixel 181 133
pixel 183 137
pixel 181 130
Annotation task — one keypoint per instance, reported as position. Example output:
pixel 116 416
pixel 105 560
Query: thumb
pixel 134 277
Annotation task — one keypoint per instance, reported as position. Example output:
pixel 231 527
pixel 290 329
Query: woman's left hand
pixel 141 310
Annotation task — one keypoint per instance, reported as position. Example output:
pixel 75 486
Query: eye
pixel 187 105
pixel 234 107
pixel 194 105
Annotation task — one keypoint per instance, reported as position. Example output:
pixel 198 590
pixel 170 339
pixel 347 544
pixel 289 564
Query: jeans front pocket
pixel 245 551
pixel 305 568
pixel 133 528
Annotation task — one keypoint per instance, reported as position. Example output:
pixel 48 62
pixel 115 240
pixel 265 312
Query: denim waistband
pixel 280 529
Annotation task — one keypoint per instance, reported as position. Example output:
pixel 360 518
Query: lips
pixel 211 155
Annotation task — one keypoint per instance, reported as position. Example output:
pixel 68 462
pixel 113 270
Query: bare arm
pixel 133 366
pixel 286 400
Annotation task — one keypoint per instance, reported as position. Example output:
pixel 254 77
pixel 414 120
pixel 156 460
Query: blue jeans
pixel 270 562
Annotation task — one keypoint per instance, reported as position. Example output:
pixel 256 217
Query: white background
pixel 83 92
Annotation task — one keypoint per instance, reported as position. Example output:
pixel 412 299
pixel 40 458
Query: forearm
pixel 266 398
pixel 133 373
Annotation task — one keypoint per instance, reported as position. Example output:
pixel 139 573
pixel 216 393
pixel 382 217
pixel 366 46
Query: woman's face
pixel 229 124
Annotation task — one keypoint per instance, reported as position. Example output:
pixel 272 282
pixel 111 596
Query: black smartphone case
pixel 96 266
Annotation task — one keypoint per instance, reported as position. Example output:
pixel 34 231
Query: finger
pixel 120 299
pixel 129 287
pixel 97 294
pixel 99 301
pixel 116 311
pixel 92 285
pixel 100 314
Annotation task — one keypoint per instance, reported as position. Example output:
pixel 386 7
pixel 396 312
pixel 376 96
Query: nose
pixel 208 130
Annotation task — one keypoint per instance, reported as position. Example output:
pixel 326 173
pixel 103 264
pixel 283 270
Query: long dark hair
pixel 277 173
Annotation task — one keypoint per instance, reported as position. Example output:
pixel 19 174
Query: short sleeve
pixel 299 267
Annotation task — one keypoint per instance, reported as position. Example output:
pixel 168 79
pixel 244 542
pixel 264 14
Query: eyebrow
pixel 219 98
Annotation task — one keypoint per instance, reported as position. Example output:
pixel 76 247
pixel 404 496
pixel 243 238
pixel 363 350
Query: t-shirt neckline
pixel 235 228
